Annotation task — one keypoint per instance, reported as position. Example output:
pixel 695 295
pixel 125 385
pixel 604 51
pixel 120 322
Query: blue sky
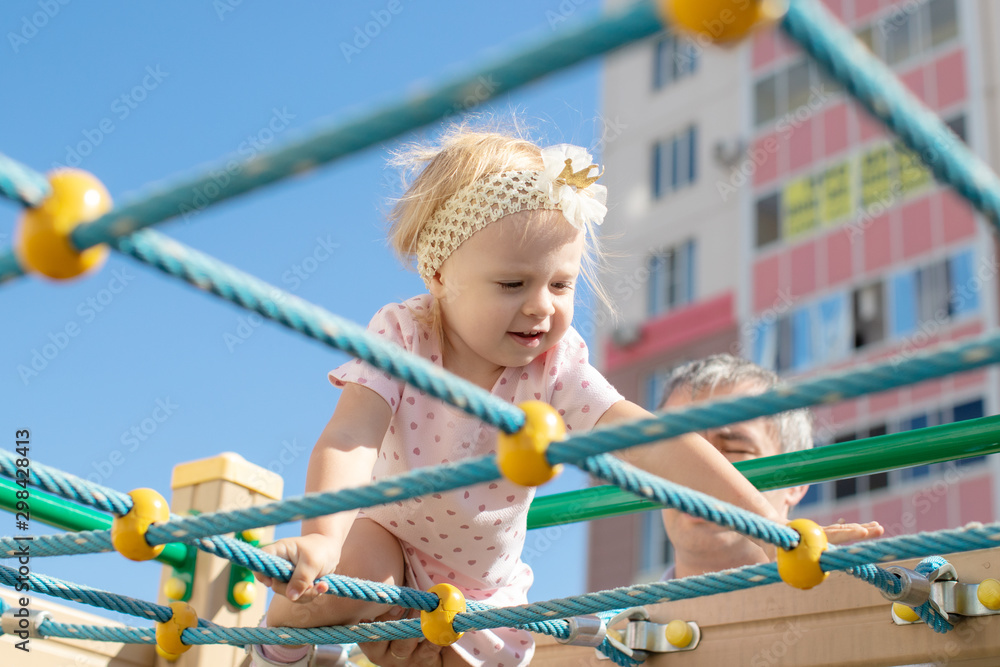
pixel 140 92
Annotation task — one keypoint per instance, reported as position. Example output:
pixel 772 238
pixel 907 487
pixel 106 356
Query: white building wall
pixel 714 99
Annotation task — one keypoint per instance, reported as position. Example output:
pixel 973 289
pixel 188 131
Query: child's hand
pixel 842 533
pixel 313 556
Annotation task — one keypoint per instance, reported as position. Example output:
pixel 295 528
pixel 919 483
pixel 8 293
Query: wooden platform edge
pixel 58 652
pixel 843 622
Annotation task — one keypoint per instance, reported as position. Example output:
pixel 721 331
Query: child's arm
pixel 691 460
pixel 343 457
pixel 695 463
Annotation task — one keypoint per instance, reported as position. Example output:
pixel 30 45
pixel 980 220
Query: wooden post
pixel 223 482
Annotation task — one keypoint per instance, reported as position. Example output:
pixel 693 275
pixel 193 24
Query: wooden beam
pixel 843 622
pixel 56 652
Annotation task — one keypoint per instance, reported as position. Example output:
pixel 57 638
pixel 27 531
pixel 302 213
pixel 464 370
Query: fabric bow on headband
pixel 567 180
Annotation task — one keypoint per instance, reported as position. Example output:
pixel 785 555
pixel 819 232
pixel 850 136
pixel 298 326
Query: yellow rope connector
pixel 521 455
pixel 42 241
pixel 679 633
pixel 168 633
pixel 989 594
pixel 437 625
pixel 905 613
pixel 799 567
pixel 721 20
pixel 128 533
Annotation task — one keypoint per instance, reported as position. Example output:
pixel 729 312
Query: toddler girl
pixel 500 230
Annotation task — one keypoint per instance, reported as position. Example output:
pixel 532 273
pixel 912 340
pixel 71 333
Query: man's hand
pixel 412 652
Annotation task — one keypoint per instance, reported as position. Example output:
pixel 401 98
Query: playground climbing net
pixel 65 234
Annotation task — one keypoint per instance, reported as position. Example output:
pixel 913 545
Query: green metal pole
pixel 975 437
pixel 55 511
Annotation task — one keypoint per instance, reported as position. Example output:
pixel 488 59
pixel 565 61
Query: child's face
pixel 507 293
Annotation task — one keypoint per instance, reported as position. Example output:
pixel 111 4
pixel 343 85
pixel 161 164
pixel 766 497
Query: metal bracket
pixel 652 637
pixel 642 636
pixel 948 596
pixel 13 622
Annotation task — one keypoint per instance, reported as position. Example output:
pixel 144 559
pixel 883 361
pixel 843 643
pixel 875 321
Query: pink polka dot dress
pixel 473 537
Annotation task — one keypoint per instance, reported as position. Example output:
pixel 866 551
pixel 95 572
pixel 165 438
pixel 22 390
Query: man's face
pixel 737 442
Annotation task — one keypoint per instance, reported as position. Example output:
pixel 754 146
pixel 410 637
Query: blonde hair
pixel 463 156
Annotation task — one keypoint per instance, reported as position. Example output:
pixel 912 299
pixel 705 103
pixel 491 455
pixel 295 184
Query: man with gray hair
pixel 701 546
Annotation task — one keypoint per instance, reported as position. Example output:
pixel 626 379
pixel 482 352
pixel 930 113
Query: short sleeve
pixel 395 324
pixel 575 388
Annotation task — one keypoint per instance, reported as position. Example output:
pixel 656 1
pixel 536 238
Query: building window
pixel 869 324
pixel 942 21
pixel 970 410
pixel 674 58
pixel 910 30
pixel 965 286
pixel 934 293
pixel 788 90
pixel 768 222
pixel 671 278
pixel 957 125
pixel 675 162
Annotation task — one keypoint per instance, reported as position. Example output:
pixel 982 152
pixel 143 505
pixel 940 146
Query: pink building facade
pixel 839 249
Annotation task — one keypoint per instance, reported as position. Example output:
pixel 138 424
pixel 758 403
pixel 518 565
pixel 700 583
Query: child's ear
pixel 436 287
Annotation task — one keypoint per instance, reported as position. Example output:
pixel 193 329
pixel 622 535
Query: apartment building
pixel 760 211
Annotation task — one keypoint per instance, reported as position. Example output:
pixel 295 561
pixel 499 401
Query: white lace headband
pixel 564 183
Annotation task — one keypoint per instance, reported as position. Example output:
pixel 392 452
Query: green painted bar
pixel 975 437
pixel 55 511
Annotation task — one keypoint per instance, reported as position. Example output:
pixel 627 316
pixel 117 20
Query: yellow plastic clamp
pixel 128 533
pixel 168 633
pixel 437 625
pixel 799 567
pixel 254 534
pixel 679 633
pixel 174 588
pixel 905 613
pixel 244 592
pixel 42 240
pixel 721 20
pixel 521 455
pixel 989 594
